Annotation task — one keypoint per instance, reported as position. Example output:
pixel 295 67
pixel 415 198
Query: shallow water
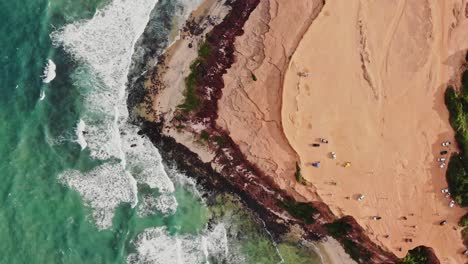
pixel 78 183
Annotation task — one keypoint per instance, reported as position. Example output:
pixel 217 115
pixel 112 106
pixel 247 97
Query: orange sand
pixel 377 71
pixel 251 110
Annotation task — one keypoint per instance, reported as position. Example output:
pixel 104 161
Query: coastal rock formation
pixel 248 78
pixel 250 107
pixel 191 138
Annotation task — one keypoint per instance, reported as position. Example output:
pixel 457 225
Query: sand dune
pixel 376 73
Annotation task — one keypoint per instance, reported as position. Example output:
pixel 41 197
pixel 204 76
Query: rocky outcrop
pixel 150 46
pixel 252 95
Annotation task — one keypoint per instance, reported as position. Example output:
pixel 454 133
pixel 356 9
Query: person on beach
pixel 446 143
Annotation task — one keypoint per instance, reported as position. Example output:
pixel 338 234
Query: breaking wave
pixel 80 130
pixel 42 95
pixel 103 48
pixel 165 204
pixel 156 245
pixel 103 189
pixel 49 72
pixel 105 45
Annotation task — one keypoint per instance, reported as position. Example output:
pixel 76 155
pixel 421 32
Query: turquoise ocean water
pixel 77 183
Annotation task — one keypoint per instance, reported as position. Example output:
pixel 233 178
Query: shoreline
pixel 218 163
pixel 213 184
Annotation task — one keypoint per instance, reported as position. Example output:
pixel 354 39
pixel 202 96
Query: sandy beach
pixel 370 77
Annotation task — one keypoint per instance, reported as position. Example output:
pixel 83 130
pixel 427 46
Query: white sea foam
pixel 156 245
pixel 103 189
pixel 104 45
pixel 42 96
pixel 217 242
pixel 49 72
pixel 165 204
pixel 189 184
pixel 80 130
pixel 144 160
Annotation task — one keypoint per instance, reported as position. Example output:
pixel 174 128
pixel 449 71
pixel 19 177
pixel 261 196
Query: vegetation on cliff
pixel 204 135
pixel 298 175
pixel 204 50
pixel 254 78
pixel 192 101
pixel 420 255
pixel 340 230
pixel 302 211
pixel 464 223
pixel 415 256
pixel 464 234
pixel 457 170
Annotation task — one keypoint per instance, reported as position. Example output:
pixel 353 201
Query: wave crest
pixel 103 189
pixel 156 245
pixel 49 72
